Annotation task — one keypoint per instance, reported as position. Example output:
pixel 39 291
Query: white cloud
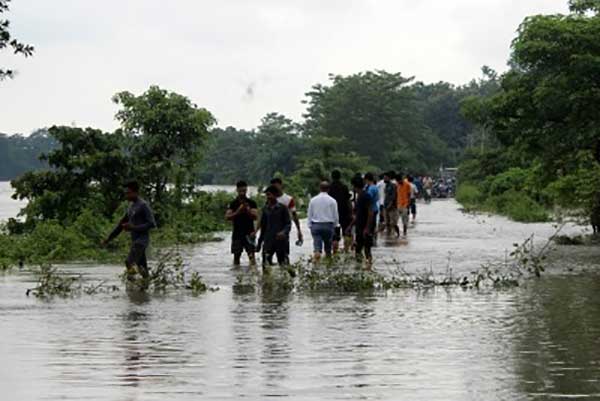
pixel 239 58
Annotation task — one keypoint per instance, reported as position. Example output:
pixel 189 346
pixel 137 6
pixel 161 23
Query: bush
pixel 469 195
pixel 517 206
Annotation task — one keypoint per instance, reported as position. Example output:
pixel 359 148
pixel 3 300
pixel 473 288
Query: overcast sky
pixel 239 58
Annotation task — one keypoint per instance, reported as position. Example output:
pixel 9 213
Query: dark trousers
pixel 363 242
pixel 137 257
pixel 280 249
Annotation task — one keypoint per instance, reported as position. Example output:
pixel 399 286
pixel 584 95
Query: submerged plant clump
pixel 168 274
pixel 343 274
pixel 51 283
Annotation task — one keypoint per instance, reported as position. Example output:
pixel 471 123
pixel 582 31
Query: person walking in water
pixel 323 219
pixel 414 193
pixel 373 191
pixel 362 221
pixel 404 190
pixel 275 227
pixel 138 220
pixel 381 196
pixel 390 205
pixel 290 203
pixel 242 212
pixel 340 192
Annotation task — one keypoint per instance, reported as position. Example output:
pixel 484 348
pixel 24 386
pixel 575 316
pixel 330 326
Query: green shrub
pixel 517 206
pixel 469 195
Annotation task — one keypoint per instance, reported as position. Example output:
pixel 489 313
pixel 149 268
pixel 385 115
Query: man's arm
pixel 232 214
pixel 262 227
pixel 253 212
pixel 117 230
pixel 370 217
pixel 336 214
pixel 309 215
pixel 287 224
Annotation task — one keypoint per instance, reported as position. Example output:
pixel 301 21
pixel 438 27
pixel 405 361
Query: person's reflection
pixel 135 325
pixel 276 352
pixel 243 331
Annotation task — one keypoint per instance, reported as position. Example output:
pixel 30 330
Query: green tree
pixel 230 155
pixel 7 41
pixel 378 114
pixel 279 143
pixel 87 171
pixel 166 133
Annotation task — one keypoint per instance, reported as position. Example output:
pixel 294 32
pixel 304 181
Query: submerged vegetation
pixel 168 274
pixel 340 275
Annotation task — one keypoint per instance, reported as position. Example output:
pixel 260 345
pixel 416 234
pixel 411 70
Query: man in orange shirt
pixel 404 190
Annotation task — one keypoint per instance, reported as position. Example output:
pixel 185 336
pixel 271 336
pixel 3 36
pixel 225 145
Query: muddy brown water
pixel 539 341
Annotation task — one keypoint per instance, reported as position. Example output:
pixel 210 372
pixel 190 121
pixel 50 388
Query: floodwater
pixel 539 341
pixel 8 206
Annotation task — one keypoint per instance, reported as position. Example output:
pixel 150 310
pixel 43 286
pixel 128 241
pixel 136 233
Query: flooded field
pixel 539 341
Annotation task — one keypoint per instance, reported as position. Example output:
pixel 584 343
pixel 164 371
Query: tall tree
pixel 7 41
pixel 377 113
pixel 166 133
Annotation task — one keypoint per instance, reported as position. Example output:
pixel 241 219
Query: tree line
pixel 542 125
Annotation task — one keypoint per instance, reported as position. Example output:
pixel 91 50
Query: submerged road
pixel 536 342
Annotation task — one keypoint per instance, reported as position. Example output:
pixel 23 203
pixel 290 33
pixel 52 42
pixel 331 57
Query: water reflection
pixel 135 330
pixel 558 347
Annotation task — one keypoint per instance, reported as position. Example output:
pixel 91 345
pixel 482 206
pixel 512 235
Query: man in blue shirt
pixel 373 192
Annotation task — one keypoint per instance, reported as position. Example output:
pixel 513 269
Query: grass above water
pixel 341 274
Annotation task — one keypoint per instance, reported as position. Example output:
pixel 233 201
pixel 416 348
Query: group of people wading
pixel 337 217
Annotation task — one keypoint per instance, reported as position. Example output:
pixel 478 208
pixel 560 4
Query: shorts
pixel 403 211
pixel 363 242
pixel 137 257
pixel 413 207
pixel 279 248
pixel 391 217
pixel 322 234
pixel 238 246
pixel 340 231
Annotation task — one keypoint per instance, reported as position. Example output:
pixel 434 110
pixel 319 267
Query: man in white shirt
pixel 381 189
pixel 414 192
pixel 323 218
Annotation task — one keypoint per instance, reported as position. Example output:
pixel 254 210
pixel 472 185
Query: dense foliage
pixel 74 203
pixel 544 119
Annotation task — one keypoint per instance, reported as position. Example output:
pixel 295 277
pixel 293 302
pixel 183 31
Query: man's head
pixel 381 176
pixel 324 186
pixel 410 178
pixel 272 193
pixel 132 191
pixel 277 183
pixel 357 183
pixel 242 189
pixel 336 175
pixel 387 177
pixel 369 178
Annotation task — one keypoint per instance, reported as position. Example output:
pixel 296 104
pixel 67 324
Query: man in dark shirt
pixel 339 191
pixel 242 212
pixel 364 216
pixel 390 205
pixel 138 220
pixel 275 227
